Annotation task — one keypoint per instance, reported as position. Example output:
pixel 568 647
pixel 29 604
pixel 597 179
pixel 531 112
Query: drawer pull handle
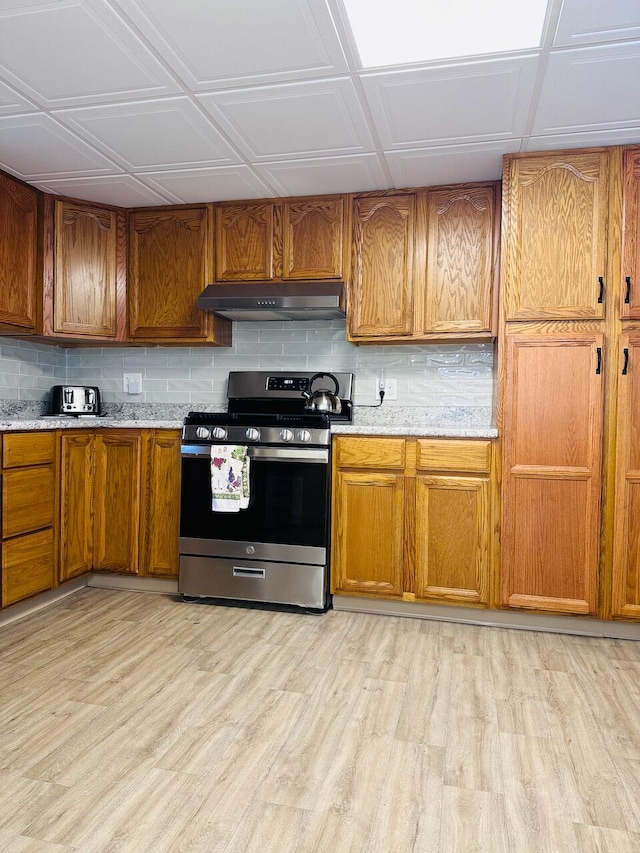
pixel 625 368
pixel 241 572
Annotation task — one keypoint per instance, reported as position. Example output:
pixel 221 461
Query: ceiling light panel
pixel 405 31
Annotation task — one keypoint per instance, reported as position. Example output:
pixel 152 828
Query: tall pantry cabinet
pixel 563 360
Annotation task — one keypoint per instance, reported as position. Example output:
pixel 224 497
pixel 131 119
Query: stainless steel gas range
pixel 273 546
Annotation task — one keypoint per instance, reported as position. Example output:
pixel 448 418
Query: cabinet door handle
pixel 625 367
pixel 599 364
pixel 627 295
pixel 601 291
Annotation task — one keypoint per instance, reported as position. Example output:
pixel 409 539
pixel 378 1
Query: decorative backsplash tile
pixel 427 376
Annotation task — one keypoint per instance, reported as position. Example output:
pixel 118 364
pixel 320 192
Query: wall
pixel 446 375
pixel 28 370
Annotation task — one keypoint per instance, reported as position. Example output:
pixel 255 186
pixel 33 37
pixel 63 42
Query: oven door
pixel 288 515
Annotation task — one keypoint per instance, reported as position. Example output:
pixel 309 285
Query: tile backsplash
pixel 433 375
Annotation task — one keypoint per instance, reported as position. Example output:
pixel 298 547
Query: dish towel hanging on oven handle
pixel 230 490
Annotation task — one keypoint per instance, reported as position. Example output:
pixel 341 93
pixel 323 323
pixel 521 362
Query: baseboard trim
pixel 491 618
pixel 132 583
pixel 40 601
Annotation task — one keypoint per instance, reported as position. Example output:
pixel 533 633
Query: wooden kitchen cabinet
pixel 76 502
pixel 19 265
pixel 412 519
pixel 626 545
pixel 554 258
pixel 160 522
pixel 282 240
pixel 630 300
pixel 425 265
pixel 117 496
pixel 29 515
pixel 553 422
pixel 170 264
pixel 89 267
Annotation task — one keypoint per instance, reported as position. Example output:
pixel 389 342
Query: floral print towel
pixel 229 478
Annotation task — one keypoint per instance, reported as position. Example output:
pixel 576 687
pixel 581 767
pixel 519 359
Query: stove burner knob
pixel 219 432
pixel 202 432
pixel 253 434
pixel 286 435
pixel 304 435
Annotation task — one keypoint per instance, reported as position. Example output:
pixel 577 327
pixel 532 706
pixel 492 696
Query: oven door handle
pixel 268 454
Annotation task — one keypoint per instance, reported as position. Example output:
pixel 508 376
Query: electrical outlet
pixel 132 383
pixel 391 389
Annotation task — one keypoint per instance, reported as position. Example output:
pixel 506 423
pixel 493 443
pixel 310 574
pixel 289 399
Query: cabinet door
pixel 118 459
pixel 630 303
pixel 460 259
pixel 18 253
pixel 85 288
pixel 313 238
pixel 382 280
pixel 555 253
pixel 368 533
pixel 551 472
pixel 626 547
pixel 453 536
pixel 161 515
pixel 244 241
pixel 76 504
pixel 168 270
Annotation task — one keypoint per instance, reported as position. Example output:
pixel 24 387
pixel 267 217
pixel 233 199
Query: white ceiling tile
pixel 71 51
pixel 37 147
pixel 152 134
pixel 589 21
pixel 11 102
pixel 449 164
pixel 556 142
pixel 589 89
pixel 223 183
pixel 354 173
pixel 473 101
pixel 121 190
pixel 292 120
pixel 230 43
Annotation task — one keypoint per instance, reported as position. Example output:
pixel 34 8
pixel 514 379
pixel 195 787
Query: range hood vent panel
pixel 258 301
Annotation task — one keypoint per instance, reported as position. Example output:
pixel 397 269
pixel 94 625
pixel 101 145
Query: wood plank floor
pixel 135 722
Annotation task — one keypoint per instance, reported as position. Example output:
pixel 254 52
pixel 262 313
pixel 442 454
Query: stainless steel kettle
pixel 323 400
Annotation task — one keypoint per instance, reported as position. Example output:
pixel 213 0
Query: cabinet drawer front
pixel 28 566
pixel 454 455
pixel 28 500
pixel 371 452
pixel 28 448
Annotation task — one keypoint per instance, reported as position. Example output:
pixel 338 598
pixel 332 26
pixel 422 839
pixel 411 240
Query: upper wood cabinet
pixel 552 471
pixel 554 258
pixel 18 256
pixel 170 264
pixel 89 267
pixel 425 265
pixel 462 259
pixel 282 240
pixel 382 281
pixel 626 544
pixel 630 302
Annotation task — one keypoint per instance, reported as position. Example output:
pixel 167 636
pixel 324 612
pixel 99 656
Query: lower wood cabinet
pixel 412 519
pixel 120 502
pixel 29 515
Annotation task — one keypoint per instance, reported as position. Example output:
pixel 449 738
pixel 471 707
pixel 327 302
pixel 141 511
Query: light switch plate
pixel 132 383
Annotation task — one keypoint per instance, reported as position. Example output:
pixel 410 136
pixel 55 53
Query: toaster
pixel 75 400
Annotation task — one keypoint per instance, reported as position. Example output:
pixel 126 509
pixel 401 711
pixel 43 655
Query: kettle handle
pixel 329 376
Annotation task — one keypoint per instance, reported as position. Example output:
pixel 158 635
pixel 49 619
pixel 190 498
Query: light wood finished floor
pixel 135 722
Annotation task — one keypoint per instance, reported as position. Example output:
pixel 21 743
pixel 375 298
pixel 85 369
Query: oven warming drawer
pixel 254 580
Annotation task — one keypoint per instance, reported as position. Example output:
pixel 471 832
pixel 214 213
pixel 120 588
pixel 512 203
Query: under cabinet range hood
pixel 301 300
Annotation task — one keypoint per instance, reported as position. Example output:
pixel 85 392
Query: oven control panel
pixel 287 383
